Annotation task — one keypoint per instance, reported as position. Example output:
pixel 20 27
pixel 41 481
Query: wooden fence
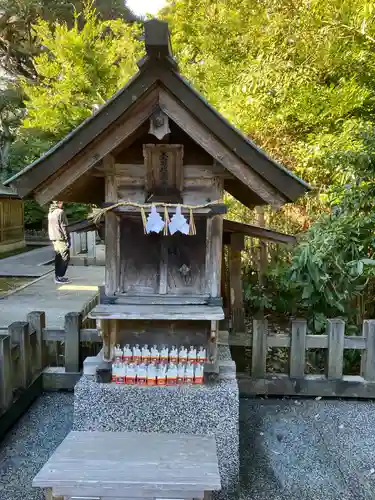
pixel 332 384
pixel 24 370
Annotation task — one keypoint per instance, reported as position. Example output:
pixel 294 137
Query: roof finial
pixel 157 39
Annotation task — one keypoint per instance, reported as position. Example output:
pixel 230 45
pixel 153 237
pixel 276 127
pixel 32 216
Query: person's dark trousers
pixel 62 257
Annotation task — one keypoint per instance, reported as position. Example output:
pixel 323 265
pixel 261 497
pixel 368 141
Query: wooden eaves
pixel 257 179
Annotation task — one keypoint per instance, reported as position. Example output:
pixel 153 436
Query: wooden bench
pixel 131 465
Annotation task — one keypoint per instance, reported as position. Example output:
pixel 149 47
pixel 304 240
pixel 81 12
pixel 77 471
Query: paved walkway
pixel 304 450
pixel 55 300
pixel 29 264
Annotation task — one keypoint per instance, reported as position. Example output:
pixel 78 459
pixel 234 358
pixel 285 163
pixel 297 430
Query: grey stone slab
pixel 55 300
pixel 132 464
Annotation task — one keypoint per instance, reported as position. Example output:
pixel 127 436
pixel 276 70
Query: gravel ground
pixel 30 443
pixel 307 450
pixel 290 449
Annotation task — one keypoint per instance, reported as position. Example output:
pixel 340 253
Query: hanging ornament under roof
pixel 178 223
pixel 155 223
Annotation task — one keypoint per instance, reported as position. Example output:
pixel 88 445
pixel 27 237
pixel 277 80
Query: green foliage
pixel 332 264
pixel 79 68
pixel 18 43
pixel 296 76
pixel 11 114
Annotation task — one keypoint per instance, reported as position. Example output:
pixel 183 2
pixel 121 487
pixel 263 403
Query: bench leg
pixel 49 495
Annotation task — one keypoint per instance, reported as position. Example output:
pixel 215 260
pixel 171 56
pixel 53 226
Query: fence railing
pixel 25 370
pixel 297 382
pixel 21 366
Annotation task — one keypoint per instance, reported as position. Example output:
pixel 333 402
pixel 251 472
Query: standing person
pixel 59 235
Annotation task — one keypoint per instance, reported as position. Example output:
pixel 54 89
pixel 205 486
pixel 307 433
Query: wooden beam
pixel 336 344
pixel 235 277
pixel 19 333
pixel 6 374
pixel 73 324
pixel 163 279
pixel 37 321
pixel 261 233
pixel 277 384
pixel 297 356
pixel 259 350
pixel 218 151
pixel 55 378
pixel 103 145
pixel 312 341
pixel 214 247
pixel 263 261
pixel 112 231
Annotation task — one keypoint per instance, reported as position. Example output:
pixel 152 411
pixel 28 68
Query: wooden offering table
pixel 127 465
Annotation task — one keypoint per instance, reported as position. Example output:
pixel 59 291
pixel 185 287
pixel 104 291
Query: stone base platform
pixel 208 410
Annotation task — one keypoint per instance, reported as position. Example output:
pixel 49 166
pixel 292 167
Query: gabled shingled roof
pixel 159 69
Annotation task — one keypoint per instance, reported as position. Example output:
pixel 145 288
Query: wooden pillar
pixel 91 247
pixel 109 331
pixel 112 232
pixel 37 321
pixel 72 326
pixel 237 244
pixel 214 246
pixel 263 261
pixel 19 333
pixel 6 374
pixel 224 283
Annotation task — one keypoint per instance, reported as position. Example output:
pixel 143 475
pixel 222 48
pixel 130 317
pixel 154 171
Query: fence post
pixel 368 356
pixel 19 332
pixel 73 324
pixel 298 349
pixel 6 379
pixel 336 337
pixel 259 350
pixel 37 321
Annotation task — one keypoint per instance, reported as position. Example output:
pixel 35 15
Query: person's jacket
pixel 57 224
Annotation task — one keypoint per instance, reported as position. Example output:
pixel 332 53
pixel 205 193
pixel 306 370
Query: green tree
pixel 78 69
pixel 81 66
pixel 11 115
pixel 297 76
pixel 18 42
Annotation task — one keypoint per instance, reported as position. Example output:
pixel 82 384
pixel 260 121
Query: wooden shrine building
pixel 12 231
pixel 157 159
pixel 158 143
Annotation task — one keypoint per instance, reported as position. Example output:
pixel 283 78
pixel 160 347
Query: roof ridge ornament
pixel 158 41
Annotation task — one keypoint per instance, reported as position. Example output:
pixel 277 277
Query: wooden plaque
pixel 164 172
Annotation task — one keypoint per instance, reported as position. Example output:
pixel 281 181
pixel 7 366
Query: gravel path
pixel 290 450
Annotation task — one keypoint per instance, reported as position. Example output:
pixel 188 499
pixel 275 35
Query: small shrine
pixel 157 159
